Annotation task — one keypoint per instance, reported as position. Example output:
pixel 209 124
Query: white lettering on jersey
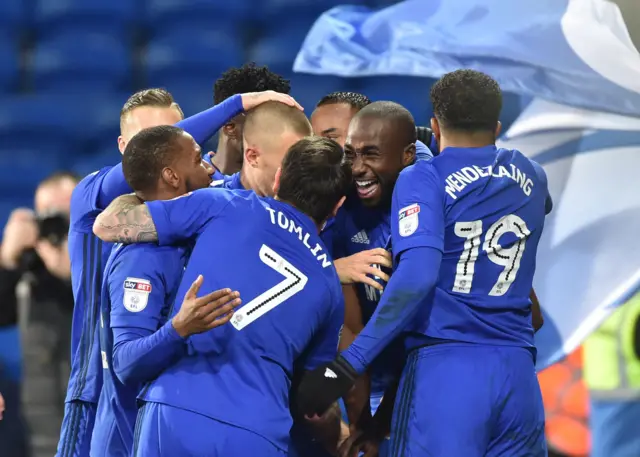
pixel 408 219
pixel 281 220
pixel 136 294
pixel 458 180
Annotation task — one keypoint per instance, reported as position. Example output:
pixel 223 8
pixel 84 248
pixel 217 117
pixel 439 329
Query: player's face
pixel 270 160
pixel 233 135
pixel 332 121
pixel 144 117
pixel 377 158
pixel 194 173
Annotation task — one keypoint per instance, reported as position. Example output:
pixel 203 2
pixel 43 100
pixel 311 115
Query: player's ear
pixel 229 130
pixel 276 181
pixel 251 155
pixel 170 177
pixel 122 144
pixel 337 207
pixel 409 155
pixel 498 129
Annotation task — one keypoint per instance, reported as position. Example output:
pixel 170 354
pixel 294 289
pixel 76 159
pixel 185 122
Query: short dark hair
pixel 147 153
pixel 155 97
pixel 394 112
pixel 314 176
pixel 467 100
pixel 355 100
pixel 248 78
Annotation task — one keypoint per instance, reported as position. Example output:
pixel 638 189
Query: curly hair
pixel 467 100
pixel 248 78
pixel 355 100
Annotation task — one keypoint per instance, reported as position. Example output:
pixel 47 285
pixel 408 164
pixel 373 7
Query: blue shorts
pixel 165 431
pixel 462 400
pixel 108 440
pixel 77 427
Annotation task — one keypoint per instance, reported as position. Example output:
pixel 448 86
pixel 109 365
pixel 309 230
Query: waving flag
pixel 575 57
pixel 540 48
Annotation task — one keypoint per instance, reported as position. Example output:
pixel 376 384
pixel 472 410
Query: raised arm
pixel 126 220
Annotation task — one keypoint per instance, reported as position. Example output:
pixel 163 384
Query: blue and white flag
pixel 557 50
pixel 575 57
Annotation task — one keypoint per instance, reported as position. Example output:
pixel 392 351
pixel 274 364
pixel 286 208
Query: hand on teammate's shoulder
pixel 252 99
pixel 197 315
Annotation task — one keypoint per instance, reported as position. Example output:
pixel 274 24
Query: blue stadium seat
pixel 11 19
pixel 191 55
pixel 102 158
pixel 279 47
pixel 81 63
pixel 410 92
pixel 104 112
pixel 309 89
pixel 9 66
pixel 193 95
pixel 54 17
pixel 168 16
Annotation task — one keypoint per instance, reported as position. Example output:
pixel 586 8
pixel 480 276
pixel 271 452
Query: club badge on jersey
pixel 136 294
pixel 408 219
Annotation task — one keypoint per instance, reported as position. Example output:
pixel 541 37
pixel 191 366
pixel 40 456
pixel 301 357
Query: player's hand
pixel 361 441
pixel 253 99
pixel 198 315
pixel 1 406
pixel 321 387
pixel 20 233
pixel 328 429
pixel 356 267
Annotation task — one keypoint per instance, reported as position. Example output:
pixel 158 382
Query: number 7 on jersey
pixel 509 257
pixel 293 282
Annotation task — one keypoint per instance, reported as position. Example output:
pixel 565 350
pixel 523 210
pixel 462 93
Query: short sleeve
pixel 138 291
pixel 324 347
pixel 184 218
pixel 417 209
pixel 422 151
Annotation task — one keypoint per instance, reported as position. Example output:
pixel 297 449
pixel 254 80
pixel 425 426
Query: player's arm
pixel 128 220
pixel 358 400
pixel 536 312
pixel 417 245
pixel 144 346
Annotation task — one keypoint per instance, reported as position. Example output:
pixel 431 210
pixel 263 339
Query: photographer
pixel 35 290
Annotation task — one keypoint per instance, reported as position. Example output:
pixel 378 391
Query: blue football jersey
pixel 140 285
pixel 484 208
pixel 231 182
pixel 88 256
pixel 291 317
pixel 359 229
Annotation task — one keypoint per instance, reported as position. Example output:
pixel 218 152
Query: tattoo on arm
pixel 126 220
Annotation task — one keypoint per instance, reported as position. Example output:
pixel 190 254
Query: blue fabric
pixel 77 427
pixel 614 430
pixel 488 403
pixel 522 44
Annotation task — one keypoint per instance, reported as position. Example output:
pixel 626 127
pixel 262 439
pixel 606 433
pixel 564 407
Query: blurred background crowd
pixel 66 68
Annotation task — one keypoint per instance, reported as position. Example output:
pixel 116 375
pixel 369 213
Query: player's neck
pixel 160 194
pixel 466 140
pixel 318 226
pixel 225 161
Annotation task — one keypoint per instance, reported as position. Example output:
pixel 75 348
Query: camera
pixel 53 227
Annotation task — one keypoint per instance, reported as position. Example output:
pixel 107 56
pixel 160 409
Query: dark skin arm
pixel 357 400
pixel 536 312
pixel 126 220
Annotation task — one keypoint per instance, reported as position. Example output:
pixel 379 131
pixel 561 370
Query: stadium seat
pixel 279 47
pixel 53 18
pixel 104 128
pixel 11 20
pixel 410 92
pixel 9 66
pixel 201 55
pixel 169 16
pixel 309 89
pixel 24 164
pixel 104 157
pixel 87 63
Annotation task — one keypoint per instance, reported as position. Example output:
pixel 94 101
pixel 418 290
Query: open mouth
pixel 366 188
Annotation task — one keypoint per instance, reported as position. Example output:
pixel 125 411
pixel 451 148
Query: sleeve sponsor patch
pixel 136 294
pixel 408 219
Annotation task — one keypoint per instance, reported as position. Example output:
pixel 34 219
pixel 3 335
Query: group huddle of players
pixel 244 304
